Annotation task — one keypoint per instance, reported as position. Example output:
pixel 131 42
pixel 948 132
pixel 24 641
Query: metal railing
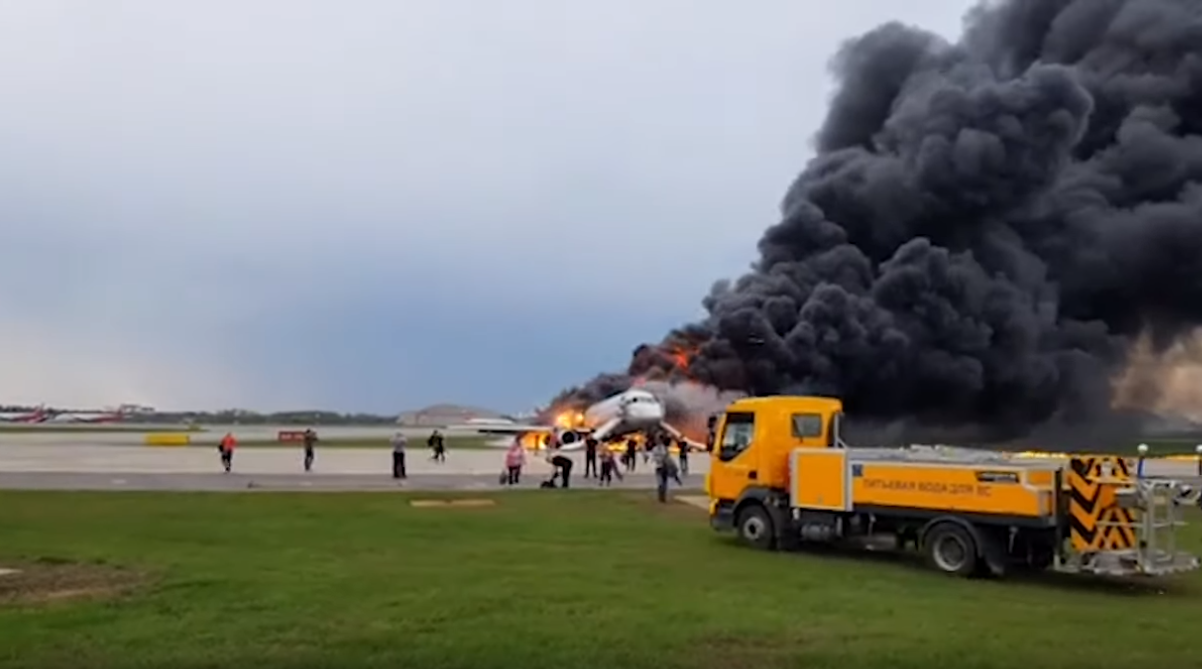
pixel 1156 505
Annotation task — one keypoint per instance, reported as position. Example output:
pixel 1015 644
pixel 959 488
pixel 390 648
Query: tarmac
pixel 119 461
pixel 114 461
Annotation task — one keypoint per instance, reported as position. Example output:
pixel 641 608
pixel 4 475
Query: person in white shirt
pixel 399 442
pixel 665 467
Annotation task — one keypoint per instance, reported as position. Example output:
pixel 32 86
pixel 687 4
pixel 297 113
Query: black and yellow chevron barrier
pixel 1096 521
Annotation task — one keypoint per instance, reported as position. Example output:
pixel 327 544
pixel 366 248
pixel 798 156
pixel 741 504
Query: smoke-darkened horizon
pixel 985 231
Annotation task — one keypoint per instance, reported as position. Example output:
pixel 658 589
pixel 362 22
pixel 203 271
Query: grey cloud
pixel 379 135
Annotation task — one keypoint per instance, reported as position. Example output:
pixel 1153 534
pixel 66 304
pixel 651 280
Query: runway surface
pixel 72 462
pixel 237 482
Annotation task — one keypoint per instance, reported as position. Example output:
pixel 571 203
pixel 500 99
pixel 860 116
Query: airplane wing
pixel 529 434
pixel 572 439
pixel 514 429
pixel 677 434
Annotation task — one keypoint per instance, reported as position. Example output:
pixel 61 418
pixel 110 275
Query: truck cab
pixel 752 442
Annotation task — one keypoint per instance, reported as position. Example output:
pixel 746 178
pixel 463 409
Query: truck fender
pixel 770 500
pixel 987 544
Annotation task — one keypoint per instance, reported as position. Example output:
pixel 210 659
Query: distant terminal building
pixel 135 409
pixel 445 414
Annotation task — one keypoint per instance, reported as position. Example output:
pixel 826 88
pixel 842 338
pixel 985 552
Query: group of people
pixel 658 452
pixel 600 463
pixel 400 442
pixel 436 442
pixel 229 443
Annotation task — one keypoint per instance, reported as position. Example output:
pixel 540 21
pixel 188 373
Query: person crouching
pixel 562 465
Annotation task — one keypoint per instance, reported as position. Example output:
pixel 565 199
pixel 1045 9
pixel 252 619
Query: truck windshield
pixel 736 435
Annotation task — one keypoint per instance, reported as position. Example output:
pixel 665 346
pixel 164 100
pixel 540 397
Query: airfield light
pixel 1143 449
pixel 1198 450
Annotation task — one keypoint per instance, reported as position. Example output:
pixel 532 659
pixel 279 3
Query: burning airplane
pixel 635 411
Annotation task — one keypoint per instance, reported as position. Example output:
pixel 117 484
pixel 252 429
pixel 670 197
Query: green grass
pixel 453 443
pixel 1157 447
pixel 544 579
pixel 1183 446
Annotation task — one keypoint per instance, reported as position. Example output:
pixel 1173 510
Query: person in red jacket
pixel 226 447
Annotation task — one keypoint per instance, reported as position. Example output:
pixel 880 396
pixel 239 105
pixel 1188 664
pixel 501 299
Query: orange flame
pixel 569 420
pixel 682 357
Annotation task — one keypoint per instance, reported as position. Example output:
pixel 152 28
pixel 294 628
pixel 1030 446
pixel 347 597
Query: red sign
pixel 290 435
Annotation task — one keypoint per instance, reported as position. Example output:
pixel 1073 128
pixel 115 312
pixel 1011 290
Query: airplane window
pixel 736 435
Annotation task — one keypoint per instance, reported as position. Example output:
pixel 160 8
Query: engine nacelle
pixel 571 439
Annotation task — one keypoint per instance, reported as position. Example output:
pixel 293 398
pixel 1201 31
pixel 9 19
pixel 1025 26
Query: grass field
pixel 1157 446
pixel 1183 446
pixel 542 579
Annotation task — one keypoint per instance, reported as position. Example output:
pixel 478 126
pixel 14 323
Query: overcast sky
pixel 379 204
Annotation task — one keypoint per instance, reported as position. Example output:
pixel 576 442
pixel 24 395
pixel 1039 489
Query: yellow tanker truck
pixel 780 477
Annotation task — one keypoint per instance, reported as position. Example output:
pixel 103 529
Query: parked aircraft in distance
pixel 38 415
pixel 91 417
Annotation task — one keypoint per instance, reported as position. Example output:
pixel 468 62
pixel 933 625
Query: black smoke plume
pixel 986 228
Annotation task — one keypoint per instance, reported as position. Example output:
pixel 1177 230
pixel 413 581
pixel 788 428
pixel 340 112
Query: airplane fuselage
pixel 9 417
pixel 631 411
pixel 85 418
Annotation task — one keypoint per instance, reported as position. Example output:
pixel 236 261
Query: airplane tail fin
pixel 39 415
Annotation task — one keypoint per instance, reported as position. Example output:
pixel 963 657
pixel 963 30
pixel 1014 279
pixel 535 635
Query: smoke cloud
pixel 986 229
pixel 1168 382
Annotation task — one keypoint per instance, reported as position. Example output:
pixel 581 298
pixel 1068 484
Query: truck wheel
pixel 755 528
pixel 951 549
